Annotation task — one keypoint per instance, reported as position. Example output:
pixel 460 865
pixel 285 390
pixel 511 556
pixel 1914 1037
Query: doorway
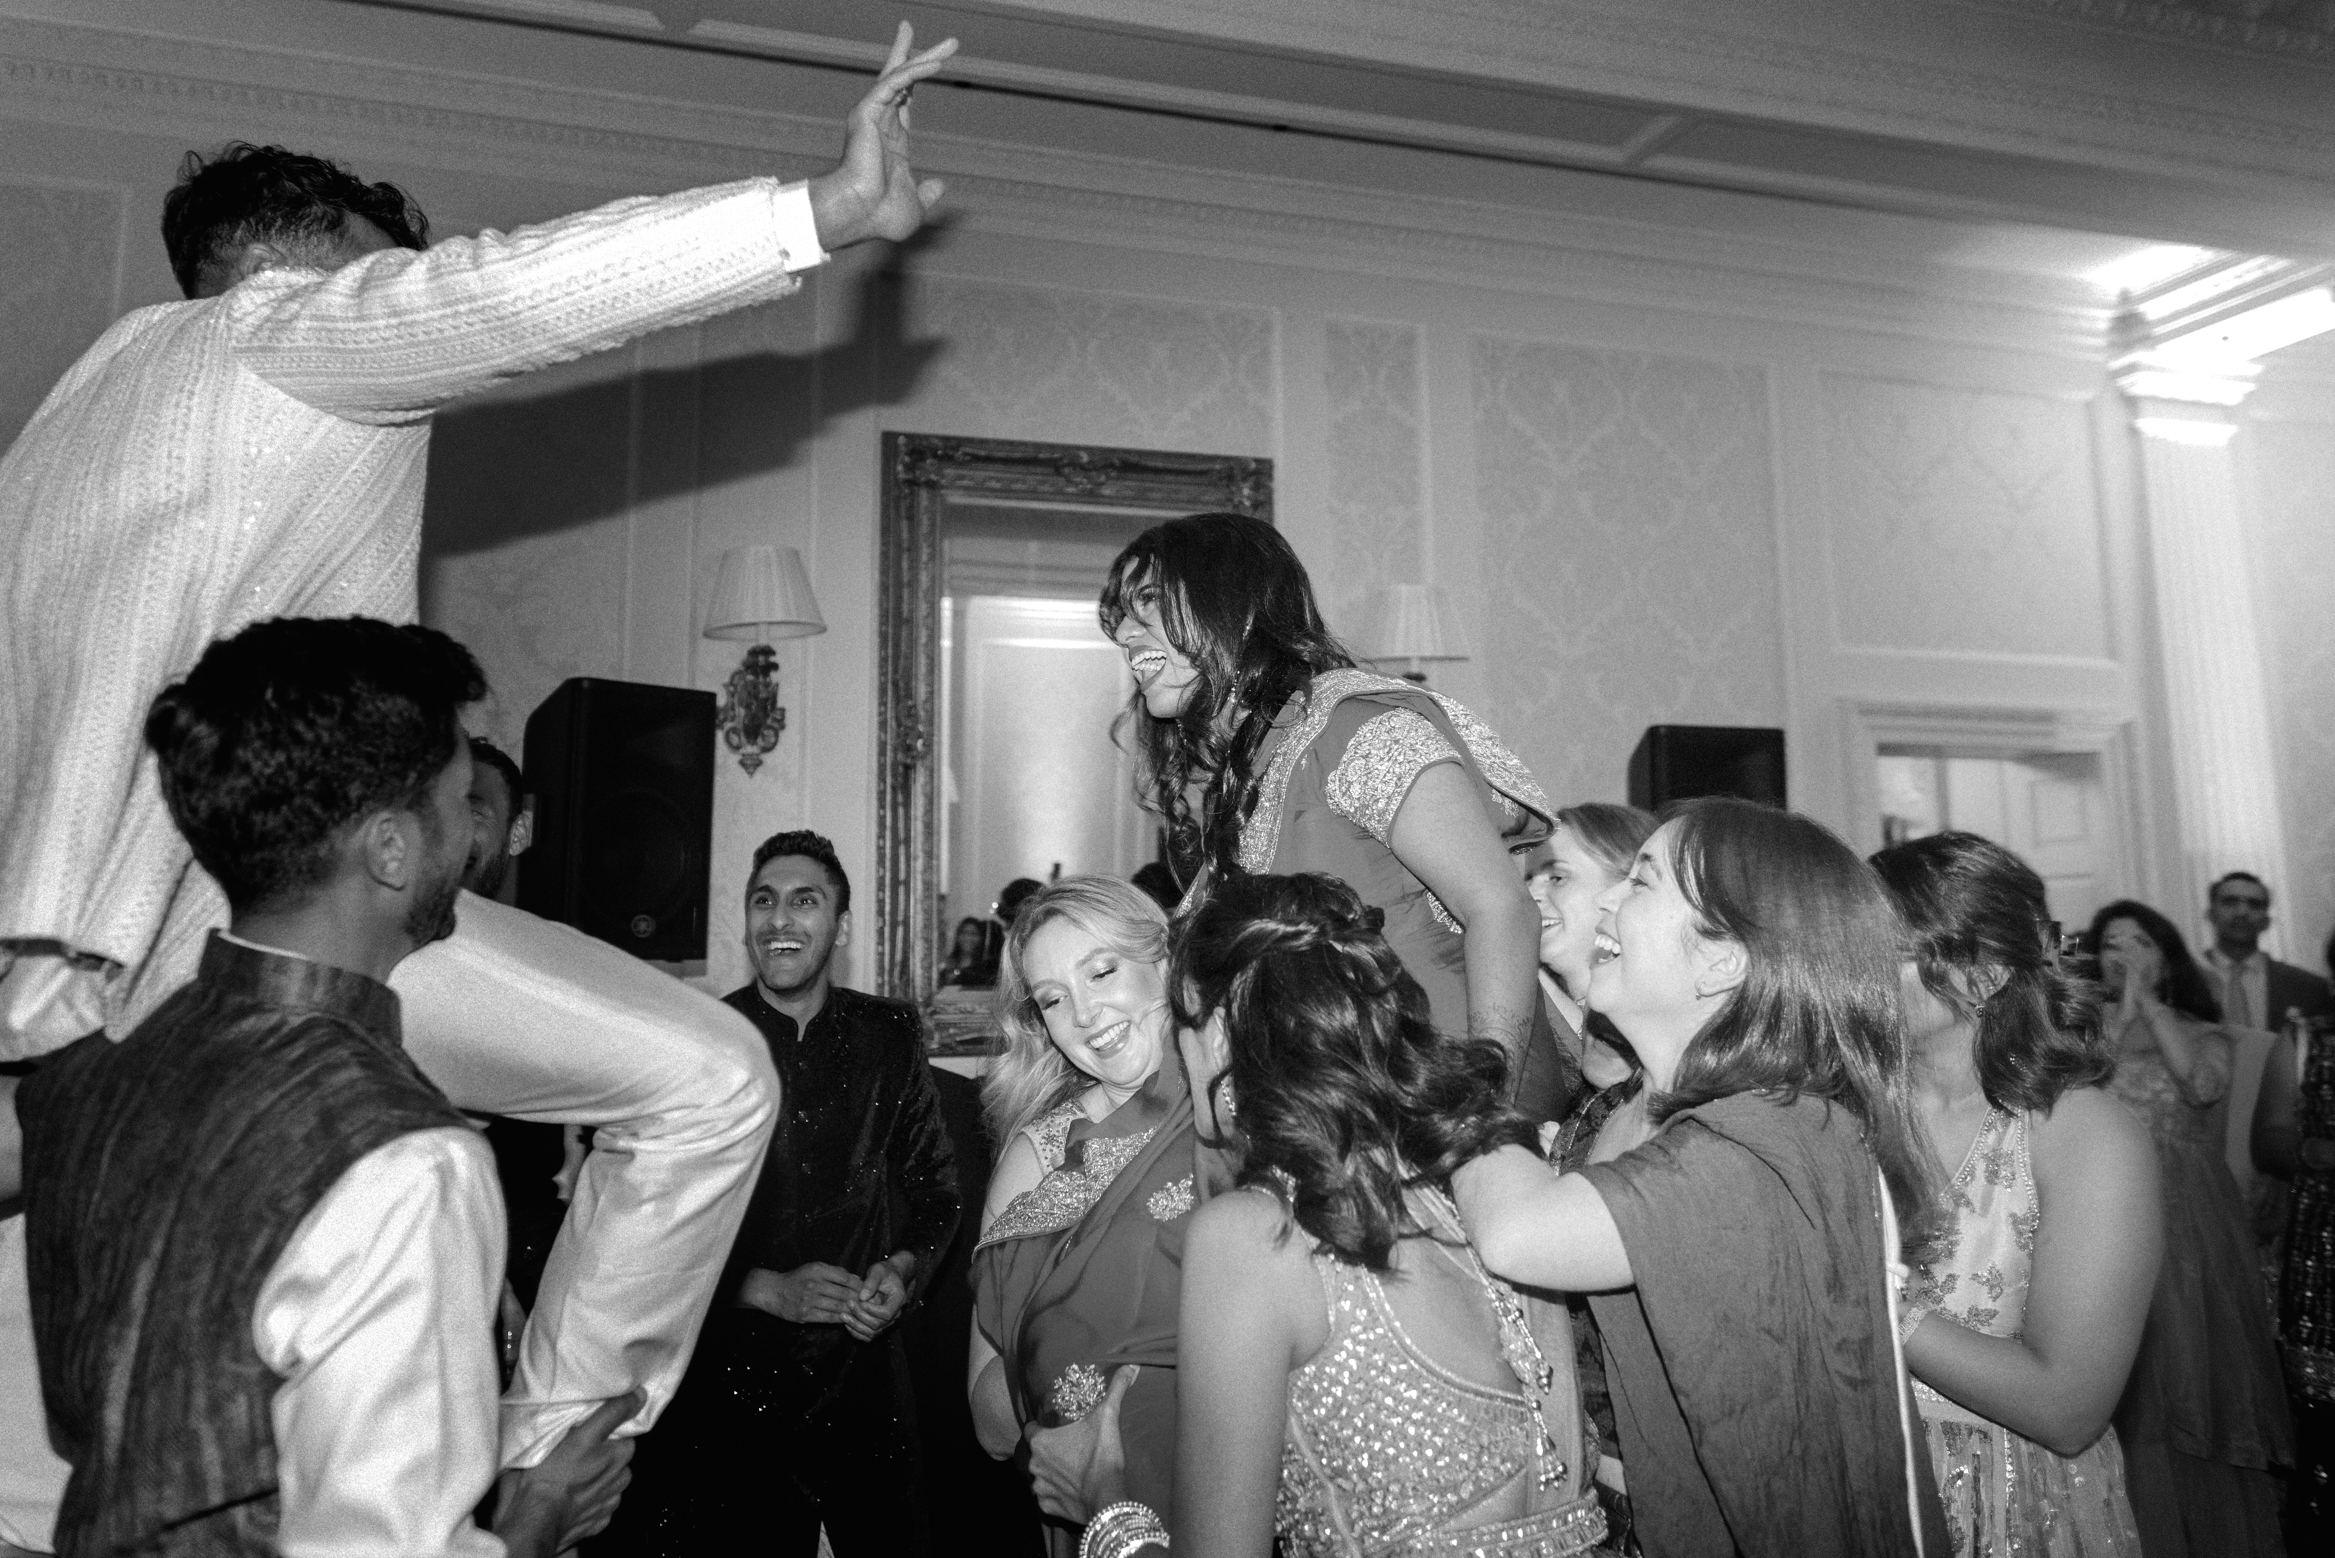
pixel 2049 808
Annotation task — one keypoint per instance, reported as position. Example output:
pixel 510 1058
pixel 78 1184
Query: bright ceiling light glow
pixel 2180 430
pixel 2146 266
pixel 2258 331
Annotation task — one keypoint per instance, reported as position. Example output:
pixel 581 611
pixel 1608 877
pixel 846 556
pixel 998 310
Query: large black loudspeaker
pixel 622 775
pixel 1677 762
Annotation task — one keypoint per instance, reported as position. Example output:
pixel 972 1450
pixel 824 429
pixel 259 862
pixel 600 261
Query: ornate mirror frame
pixel 921 472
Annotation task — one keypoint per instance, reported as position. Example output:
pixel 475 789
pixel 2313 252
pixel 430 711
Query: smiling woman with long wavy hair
pixel 1739 1262
pixel 1263 748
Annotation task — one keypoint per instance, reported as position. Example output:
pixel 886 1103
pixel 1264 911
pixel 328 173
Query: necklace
pixel 1517 1344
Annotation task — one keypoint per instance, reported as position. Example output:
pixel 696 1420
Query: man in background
pixel 2258 996
pixel 502 821
pixel 2257 991
pixel 798 1411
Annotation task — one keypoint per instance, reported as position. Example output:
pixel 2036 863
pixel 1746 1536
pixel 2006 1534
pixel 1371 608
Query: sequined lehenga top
pixel 1388 1453
pixel 2005 1494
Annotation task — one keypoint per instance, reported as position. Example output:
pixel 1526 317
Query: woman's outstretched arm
pixel 1534 1226
pixel 2095 1266
pixel 1443 836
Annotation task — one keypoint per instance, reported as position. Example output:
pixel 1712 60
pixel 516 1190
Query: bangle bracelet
pixel 1911 1321
pixel 1120 1529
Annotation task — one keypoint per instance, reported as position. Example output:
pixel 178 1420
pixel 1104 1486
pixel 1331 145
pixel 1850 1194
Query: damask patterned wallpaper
pixel 524 540
pixel 57 248
pixel 1629 552
pixel 2294 599
pixel 1376 506
pixel 1962 520
pixel 1082 367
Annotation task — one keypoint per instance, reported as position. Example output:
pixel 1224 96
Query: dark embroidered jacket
pixel 163 1178
pixel 860 1165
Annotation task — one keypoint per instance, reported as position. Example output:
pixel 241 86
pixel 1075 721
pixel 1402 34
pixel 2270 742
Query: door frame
pixel 1868 725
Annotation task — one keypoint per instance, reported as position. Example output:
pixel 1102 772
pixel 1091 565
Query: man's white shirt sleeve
pixel 379 1316
pixel 392 337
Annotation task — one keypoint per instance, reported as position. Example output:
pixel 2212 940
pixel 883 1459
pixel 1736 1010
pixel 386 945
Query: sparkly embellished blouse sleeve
pixel 1382 758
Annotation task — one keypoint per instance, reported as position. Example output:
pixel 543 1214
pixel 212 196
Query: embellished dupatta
pixel 1083 1274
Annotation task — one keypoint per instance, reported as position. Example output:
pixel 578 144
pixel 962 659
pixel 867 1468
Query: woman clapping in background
pixel 2204 1419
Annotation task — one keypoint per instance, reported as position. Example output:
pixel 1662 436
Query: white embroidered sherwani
pixel 209 464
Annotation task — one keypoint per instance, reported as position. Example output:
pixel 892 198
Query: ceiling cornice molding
pixel 86 76
pixel 2189 24
pixel 1794 76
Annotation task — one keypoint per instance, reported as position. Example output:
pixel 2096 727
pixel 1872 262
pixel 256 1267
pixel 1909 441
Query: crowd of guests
pixel 1418 1167
pixel 1857 1157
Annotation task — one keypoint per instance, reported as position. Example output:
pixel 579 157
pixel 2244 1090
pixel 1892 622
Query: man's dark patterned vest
pixel 163 1177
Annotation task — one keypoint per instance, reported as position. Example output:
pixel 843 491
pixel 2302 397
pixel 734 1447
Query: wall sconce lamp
pixel 760 593
pixel 1411 623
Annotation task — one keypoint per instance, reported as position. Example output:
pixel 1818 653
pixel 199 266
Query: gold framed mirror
pixel 1000 549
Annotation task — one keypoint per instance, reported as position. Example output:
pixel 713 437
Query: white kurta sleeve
pixel 392 337
pixel 378 1314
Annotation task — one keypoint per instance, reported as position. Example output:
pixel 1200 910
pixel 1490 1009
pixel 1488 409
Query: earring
pixel 1225 1109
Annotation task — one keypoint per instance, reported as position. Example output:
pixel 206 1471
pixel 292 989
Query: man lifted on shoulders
pixel 258 451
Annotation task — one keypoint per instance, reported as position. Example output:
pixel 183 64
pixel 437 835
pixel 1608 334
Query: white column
pixel 2224 766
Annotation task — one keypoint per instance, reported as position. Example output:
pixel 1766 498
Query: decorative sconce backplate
pixel 750 719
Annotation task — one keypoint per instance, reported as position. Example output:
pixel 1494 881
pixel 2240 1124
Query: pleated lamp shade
pixel 1410 622
pixel 761 594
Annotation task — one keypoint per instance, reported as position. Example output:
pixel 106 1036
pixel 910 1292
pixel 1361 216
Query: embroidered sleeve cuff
pixel 798 234
pixel 1379 766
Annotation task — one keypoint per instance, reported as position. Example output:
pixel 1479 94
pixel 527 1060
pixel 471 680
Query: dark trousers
pixel 756 1453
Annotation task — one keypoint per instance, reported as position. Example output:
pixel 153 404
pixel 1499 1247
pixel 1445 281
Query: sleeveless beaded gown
pixel 1388 1452
pixel 2005 1494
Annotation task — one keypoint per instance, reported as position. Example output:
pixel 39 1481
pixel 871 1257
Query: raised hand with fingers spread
pixel 872 192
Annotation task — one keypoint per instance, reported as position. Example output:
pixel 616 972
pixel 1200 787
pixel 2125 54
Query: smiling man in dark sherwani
pixel 798 1410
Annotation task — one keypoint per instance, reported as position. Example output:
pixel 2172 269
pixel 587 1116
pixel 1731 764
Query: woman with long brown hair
pixel 2022 1326
pixel 1264 749
pixel 1739 1261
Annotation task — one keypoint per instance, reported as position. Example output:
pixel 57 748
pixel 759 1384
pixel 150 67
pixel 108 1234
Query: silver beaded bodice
pixel 1386 1449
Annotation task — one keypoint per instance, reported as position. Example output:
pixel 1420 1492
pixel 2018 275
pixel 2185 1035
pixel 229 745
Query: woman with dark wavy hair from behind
pixel 2021 1329
pixel 1351 1379
pixel 2204 1419
pixel 1265 749
pixel 1740 1262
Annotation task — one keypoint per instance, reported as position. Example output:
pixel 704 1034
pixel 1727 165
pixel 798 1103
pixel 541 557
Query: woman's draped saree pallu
pixel 1082 1274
